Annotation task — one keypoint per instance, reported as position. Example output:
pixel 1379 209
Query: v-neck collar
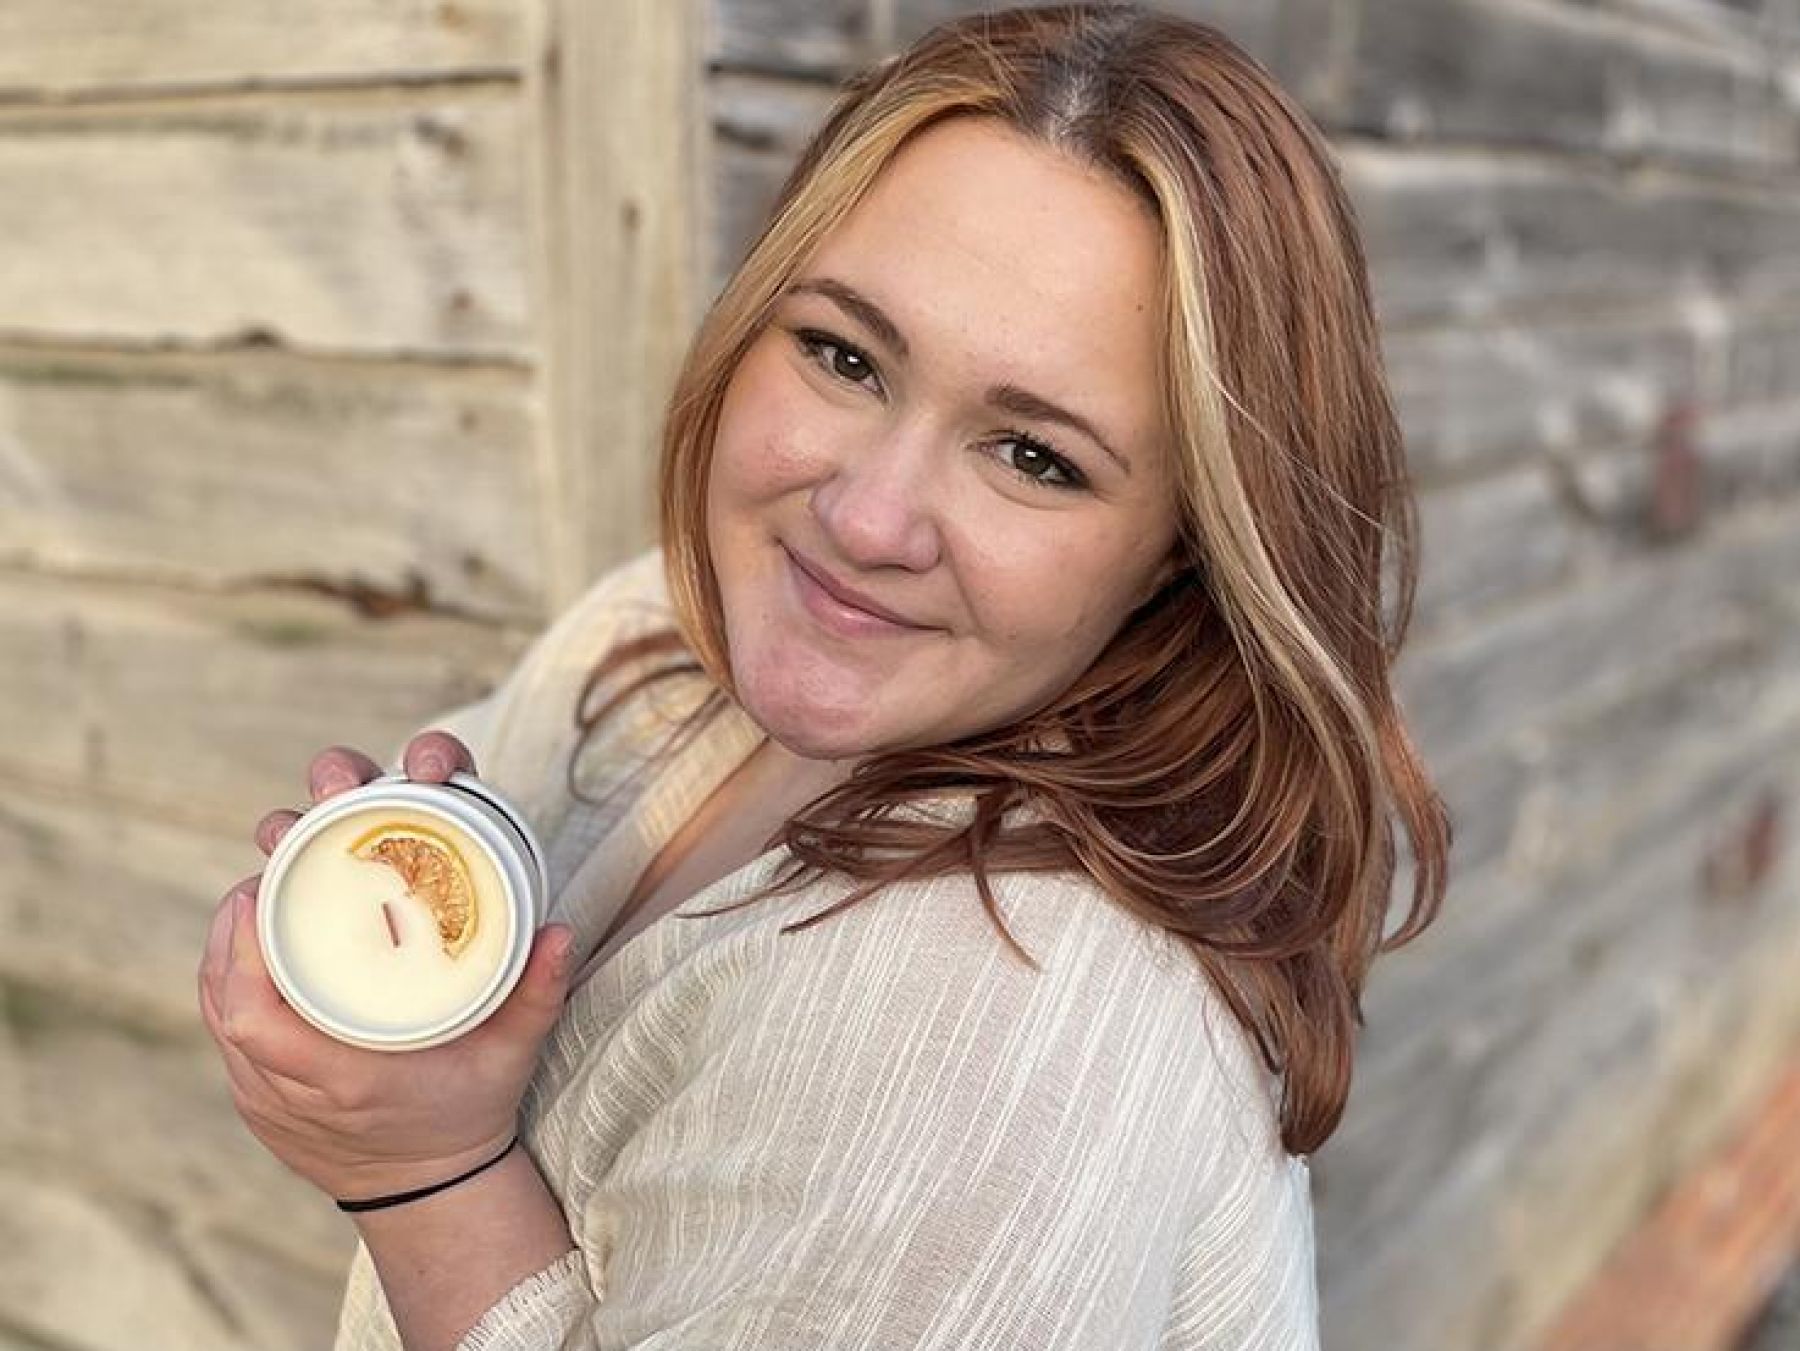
pixel 673 790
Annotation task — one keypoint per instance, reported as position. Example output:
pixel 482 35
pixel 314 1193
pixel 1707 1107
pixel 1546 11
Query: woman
pixel 973 830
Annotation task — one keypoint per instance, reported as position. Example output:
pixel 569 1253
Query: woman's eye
pixel 839 358
pixel 1036 462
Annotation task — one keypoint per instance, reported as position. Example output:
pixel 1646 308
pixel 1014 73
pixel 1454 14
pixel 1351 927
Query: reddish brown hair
pixel 1230 767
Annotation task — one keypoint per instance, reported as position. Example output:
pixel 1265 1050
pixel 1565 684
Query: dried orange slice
pixel 434 873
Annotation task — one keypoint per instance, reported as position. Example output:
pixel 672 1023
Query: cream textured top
pixel 883 1131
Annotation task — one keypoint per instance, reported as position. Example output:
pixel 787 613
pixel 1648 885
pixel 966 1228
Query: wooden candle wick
pixel 392 928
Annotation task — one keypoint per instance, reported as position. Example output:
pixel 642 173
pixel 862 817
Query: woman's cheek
pixel 798 446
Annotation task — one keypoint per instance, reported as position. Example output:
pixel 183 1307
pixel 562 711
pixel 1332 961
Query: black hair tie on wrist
pixel 401 1198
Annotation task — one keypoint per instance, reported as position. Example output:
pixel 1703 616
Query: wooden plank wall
pixel 290 309
pixel 1584 224
pixel 269 279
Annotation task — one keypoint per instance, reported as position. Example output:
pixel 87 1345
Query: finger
pixel 432 757
pixel 272 827
pixel 248 1083
pixel 537 1001
pixel 218 937
pixel 338 769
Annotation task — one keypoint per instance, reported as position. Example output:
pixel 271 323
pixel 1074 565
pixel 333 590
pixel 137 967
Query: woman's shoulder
pixel 526 733
pixel 628 601
pixel 1102 980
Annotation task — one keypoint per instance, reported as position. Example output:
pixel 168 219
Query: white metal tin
pixel 478 814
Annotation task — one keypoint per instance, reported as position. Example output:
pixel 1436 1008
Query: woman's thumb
pixel 544 983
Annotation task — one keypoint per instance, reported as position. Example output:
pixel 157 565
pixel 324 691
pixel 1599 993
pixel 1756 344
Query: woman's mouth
pixel 840 609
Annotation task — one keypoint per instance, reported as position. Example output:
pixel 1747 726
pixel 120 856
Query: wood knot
pixel 1740 863
pixel 1676 501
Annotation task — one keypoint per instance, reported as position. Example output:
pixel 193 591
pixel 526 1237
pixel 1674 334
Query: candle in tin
pixel 399 915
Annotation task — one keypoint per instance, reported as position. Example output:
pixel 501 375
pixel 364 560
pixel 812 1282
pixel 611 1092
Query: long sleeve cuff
pixel 540 1311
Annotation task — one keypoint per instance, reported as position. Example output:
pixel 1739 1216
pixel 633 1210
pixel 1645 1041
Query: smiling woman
pixel 974 827
pixel 900 562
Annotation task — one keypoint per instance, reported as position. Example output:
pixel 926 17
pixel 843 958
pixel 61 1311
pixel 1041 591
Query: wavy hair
pixel 1230 766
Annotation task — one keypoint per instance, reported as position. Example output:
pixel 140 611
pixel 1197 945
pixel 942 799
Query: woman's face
pixel 941 479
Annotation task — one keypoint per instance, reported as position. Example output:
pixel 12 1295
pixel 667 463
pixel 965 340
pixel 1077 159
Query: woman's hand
pixel 359 1123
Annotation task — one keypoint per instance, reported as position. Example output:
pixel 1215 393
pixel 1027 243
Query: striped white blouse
pixel 884 1131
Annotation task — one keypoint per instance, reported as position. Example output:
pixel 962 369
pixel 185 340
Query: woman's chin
pixel 815 729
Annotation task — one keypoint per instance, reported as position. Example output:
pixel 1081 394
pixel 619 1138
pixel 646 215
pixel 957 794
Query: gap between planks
pixel 396 87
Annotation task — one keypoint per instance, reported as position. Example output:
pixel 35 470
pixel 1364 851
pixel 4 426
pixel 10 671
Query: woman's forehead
pixel 979 243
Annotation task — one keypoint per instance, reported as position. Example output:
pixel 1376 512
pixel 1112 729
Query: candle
pixel 399 915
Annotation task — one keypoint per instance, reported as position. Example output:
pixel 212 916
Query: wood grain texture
pixel 761 125
pixel 206 709
pixel 80 1274
pixel 1489 542
pixel 341 223
pixel 147 1121
pixel 1693 1277
pixel 393 481
pixel 1481 397
pixel 110 906
pixel 798 37
pixel 1466 1197
pixel 1570 78
pixel 65 46
pixel 620 138
pixel 1533 664
pixel 400 482
pixel 1471 236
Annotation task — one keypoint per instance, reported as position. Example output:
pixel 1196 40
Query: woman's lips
pixel 837 608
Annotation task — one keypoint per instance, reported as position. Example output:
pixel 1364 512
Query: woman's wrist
pixel 360 1205
pixel 445 1259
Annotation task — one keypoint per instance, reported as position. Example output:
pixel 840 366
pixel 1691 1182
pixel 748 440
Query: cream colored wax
pixel 337 944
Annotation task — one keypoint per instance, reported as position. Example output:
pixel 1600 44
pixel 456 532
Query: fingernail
pixel 432 762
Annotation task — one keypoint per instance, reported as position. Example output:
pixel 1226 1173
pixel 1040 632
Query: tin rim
pixel 471 825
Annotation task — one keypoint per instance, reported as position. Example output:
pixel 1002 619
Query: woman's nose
pixel 878 505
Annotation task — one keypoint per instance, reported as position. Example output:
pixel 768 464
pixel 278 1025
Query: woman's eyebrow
pixel 1023 403
pixel 1007 398
pixel 858 306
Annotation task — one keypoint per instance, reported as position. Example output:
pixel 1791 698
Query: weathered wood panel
pixel 1488 541
pixel 398 482
pixel 791 37
pixel 1567 78
pixel 1771 21
pixel 280 1307
pixel 761 127
pixel 1763 358
pixel 1466 235
pixel 208 708
pixel 1547 1000
pixel 1556 1152
pixel 1473 397
pixel 111 907
pixel 1692 758
pixel 1680 755
pixel 1745 458
pixel 342 223
pixel 80 1275
pixel 62 46
pixel 619 130
pixel 1465 691
pixel 1292 37
pixel 146 1117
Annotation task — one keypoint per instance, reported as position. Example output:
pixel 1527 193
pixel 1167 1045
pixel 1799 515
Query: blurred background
pixel 333 337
